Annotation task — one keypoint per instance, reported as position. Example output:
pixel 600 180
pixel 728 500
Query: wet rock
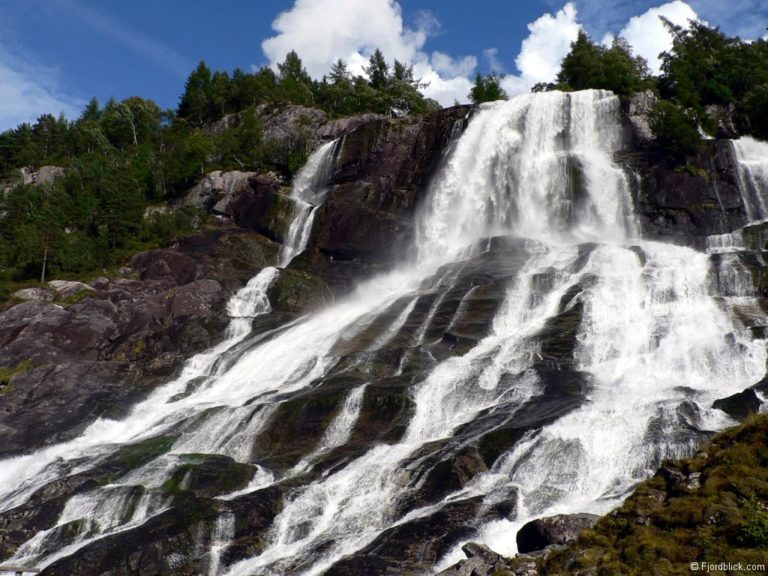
pixel 560 529
pixel 163 545
pixel 684 204
pixel 413 546
pixel 296 292
pixel 208 475
pixel 739 406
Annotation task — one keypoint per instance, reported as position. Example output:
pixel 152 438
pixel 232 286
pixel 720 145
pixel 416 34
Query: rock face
pixel 216 190
pixel 97 348
pixel 72 352
pixel 553 530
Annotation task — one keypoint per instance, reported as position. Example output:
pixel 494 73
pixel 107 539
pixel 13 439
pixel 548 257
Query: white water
pixel 657 343
pixel 752 168
pixel 101 511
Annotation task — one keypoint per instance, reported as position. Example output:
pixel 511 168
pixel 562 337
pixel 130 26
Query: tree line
pixel 705 73
pixel 125 156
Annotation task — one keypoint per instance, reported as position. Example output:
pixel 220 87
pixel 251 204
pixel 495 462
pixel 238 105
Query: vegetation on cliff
pixel 705 77
pixel 126 161
pixel 708 509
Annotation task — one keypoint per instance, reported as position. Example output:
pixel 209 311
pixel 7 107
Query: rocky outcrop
pixel 96 349
pixel 684 204
pixel 553 530
pixel 216 190
pixel 739 406
pixel 381 169
pixel 637 109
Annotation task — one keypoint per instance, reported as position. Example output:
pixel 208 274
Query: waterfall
pixel 124 504
pixel 602 355
pixel 752 168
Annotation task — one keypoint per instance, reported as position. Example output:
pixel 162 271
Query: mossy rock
pixel 207 475
pixel 668 525
pixel 297 292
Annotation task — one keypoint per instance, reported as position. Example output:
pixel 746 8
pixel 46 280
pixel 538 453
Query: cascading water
pixel 601 356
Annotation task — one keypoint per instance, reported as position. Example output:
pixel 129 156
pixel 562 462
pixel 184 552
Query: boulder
pixel 739 406
pixel 560 529
pixel 66 289
pixel 216 190
pixel 34 294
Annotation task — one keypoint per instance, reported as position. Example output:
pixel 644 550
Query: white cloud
pixel 352 30
pixel 547 44
pixel 321 31
pixel 647 34
pixel 544 49
pixel 28 90
pixel 448 66
pixel 491 56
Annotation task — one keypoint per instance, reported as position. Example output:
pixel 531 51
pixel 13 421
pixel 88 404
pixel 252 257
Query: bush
pixel 756 111
pixel 676 131
pixel 754 532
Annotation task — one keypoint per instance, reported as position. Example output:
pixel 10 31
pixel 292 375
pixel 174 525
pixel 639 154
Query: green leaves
pixel 487 88
pixel 589 65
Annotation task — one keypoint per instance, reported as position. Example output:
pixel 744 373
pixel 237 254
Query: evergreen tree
pixel 194 103
pixel 487 88
pixel 377 71
pixel 295 82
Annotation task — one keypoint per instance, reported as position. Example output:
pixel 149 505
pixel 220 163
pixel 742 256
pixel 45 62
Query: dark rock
pixel 163 545
pixel 413 546
pixel 297 292
pixel 102 353
pixel 560 529
pixel 686 204
pixel 740 405
pixel 475 550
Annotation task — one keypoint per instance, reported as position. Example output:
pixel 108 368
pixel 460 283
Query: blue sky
pixel 56 54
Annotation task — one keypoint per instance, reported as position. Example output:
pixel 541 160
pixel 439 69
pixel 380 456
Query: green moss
pixel 139 454
pixel 667 525
pixel 76 297
pixel 139 348
pixel 7 373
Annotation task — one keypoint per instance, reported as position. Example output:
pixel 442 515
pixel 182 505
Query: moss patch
pixel 7 373
pixel 709 508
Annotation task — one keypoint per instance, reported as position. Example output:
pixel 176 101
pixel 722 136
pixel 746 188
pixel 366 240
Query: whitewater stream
pixel 602 356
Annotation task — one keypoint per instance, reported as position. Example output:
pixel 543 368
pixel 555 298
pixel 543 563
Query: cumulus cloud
pixel 548 42
pixel 28 90
pixel 355 31
pixel 323 30
pixel 647 34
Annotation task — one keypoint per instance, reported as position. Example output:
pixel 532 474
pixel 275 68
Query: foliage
pixel 672 519
pixel 124 162
pixel 487 88
pixel 676 130
pixel 589 65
